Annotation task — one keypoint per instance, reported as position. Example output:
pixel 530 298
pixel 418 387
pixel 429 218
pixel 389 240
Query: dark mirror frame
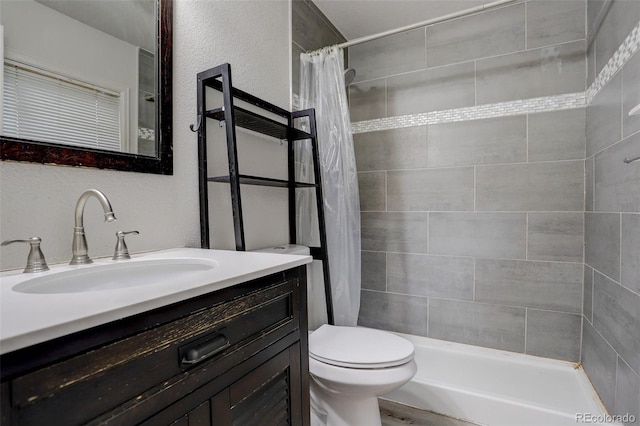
pixel 15 149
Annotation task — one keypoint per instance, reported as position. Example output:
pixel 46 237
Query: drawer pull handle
pixel 204 350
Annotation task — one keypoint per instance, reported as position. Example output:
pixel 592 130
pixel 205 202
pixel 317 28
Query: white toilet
pixel 349 366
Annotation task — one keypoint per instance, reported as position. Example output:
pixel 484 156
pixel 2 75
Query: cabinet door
pixel 200 416
pixel 269 395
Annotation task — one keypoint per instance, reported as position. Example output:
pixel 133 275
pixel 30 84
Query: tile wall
pixel 496 209
pixel 611 306
pixel 472 224
pixel 311 30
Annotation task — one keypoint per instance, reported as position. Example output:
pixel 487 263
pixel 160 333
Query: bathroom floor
pixel 394 414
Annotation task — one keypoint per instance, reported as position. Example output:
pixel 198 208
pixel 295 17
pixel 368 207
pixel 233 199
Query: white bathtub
pixel 496 388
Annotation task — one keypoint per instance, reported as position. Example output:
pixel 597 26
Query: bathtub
pixel 496 388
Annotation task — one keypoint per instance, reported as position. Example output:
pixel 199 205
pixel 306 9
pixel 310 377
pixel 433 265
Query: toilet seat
pixel 359 347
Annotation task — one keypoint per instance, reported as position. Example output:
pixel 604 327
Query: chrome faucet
pixel 36 261
pixel 79 248
pixel 122 251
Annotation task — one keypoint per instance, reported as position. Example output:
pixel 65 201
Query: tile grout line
pixel 465 166
pixel 593 288
pixel 475 187
pixel 386 191
pixel 632 291
pixel 475 83
pixel 386 272
pixel 620 251
pixel 467 301
pixel 593 186
pixel 526 28
pixel 466 61
pixel 426 59
pixel 475 261
pixel 527 136
pixel 427 237
pixel 501 259
pixel 581 331
pixel 386 99
pixel 615 380
pixel 487 212
pixel 428 314
pixel 526 322
pixel 526 237
pixel 629 366
pixel 610 146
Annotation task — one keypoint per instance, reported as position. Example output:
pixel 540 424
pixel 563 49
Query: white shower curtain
pixel 322 87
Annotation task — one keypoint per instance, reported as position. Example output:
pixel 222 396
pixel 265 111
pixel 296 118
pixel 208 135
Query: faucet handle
pixel 35 261
pixel 121 251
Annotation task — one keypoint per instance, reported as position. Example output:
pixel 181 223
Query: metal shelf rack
pixel 219 78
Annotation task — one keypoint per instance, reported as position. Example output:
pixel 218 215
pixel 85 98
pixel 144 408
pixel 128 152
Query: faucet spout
pixel 79 248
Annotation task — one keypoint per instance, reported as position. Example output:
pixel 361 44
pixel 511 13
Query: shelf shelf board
pixel 261 181
pixel 251 121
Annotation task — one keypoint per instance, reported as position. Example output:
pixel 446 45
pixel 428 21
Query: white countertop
pixel 27 319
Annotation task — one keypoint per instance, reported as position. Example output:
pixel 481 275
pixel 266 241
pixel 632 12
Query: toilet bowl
pixel 350 367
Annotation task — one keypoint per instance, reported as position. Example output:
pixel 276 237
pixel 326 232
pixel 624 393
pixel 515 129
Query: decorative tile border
pixel 630 46
pixel 627 49
pixel 502 109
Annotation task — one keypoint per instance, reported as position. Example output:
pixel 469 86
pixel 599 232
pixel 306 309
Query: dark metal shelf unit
pixel 219 78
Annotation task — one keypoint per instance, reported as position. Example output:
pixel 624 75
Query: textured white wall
pixel 38 200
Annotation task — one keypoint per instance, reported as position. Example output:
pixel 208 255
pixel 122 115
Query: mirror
pixel 144 124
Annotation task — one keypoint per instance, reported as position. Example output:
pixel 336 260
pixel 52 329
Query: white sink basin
pixel 116 276
pixel 71 298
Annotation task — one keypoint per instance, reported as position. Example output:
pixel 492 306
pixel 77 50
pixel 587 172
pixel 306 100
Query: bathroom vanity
pixel 228 348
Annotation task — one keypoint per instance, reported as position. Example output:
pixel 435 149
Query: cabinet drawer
pixel 217 337
pixel 264 390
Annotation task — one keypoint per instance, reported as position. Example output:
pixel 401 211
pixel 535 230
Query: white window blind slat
pixel 42 107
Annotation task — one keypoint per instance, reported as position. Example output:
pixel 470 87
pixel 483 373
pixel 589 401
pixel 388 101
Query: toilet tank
pixel 287 249
pixel 316 303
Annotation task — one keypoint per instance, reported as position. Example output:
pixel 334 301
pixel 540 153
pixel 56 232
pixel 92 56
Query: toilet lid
pixel 358 347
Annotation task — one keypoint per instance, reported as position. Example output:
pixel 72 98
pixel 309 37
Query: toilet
pixel 350 367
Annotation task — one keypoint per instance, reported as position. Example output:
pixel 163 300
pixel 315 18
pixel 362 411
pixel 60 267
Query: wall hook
pixel 198 124
pixel 631 159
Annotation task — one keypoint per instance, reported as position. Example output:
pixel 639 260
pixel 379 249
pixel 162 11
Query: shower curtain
pixel 322 87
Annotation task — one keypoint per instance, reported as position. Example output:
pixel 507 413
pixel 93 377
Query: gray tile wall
pixel 532 73
pixel 611 306
pixel 311 30
pixel 473 231
pixel 524 50
pixel 489 141
pixel 493 33
pixel 476 231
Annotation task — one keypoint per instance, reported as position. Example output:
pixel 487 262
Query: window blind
pixel 41 106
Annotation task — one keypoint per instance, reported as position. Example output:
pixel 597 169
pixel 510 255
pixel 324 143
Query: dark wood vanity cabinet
pixel 237 356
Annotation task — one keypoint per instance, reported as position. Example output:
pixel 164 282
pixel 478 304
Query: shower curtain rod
pixel 425 23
